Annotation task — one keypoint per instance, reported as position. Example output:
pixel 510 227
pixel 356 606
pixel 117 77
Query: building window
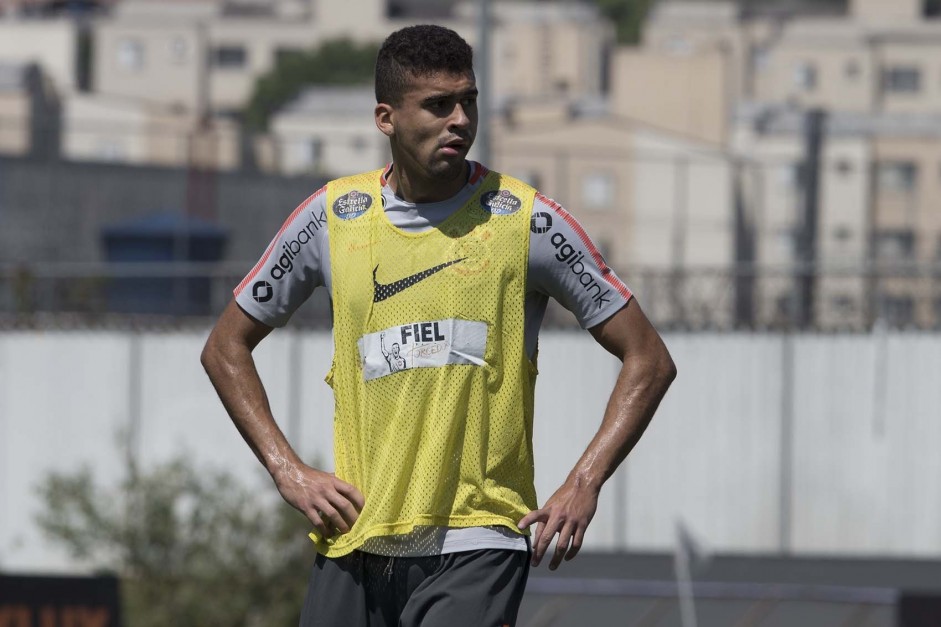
pixel 790 177
pixel 897 311
pixel 902 79
pixel 786 243
pixel 359 143
pixel 843 305
pixel 851 70
pixel 679 46
pixel 896 176
pixel 760 59
pixel 842 233
pixel 598 190
pixel 805 76
pixel 179 50
pixel 130 54
pixel 109 150
pixel 231 57
pixel 315 152
pixel 895 245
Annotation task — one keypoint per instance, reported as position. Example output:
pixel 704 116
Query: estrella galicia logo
pixel 541 222
pixel 352 205
pixel 501 203
pixel 262 291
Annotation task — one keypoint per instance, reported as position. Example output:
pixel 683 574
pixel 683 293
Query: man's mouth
pixel 453 147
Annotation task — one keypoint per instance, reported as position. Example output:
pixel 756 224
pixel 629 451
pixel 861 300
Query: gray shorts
pixel 481 588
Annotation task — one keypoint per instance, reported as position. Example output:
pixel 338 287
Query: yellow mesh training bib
pixel 434 392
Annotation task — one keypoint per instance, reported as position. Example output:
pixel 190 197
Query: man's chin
pixel 450 169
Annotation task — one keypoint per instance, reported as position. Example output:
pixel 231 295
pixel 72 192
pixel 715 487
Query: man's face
pixel 395 350
pixel 434 124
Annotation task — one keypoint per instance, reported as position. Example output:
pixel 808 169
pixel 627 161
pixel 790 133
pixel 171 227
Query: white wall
pixel 51 44
pixel 805 444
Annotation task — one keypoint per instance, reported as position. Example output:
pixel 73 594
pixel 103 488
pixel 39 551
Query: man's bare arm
pixel 646 372
pixel 227 358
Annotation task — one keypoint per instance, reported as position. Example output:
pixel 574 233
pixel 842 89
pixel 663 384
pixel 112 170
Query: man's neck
pixel 417 189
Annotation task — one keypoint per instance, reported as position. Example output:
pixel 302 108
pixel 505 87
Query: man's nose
pixel 459 117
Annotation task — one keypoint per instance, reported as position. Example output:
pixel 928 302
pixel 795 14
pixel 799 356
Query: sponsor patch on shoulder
pixel 501 202
pixel 426 344
pixel 352 205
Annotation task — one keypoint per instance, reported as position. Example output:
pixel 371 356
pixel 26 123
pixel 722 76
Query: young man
pixel 425 521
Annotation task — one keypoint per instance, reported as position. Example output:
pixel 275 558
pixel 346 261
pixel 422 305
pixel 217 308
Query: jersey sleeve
pixel 292 266
pixel 565 264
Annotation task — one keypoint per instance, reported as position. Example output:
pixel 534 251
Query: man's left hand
pixel 568 513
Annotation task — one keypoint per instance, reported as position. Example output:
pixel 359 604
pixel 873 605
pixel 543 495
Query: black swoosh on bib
pixel 381 291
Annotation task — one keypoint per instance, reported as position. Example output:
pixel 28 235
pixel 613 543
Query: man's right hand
pixel 331 504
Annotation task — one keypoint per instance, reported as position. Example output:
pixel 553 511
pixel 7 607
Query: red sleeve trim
pixel 606 273
pixel 258 266
pixel 478 171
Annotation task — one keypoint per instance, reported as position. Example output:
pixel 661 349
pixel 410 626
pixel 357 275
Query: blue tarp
pixel 169 236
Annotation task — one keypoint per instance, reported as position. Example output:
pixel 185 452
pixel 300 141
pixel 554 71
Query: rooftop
pixel 333 100
pixel 771 119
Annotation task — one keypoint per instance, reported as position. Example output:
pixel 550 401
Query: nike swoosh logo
pixel 381 291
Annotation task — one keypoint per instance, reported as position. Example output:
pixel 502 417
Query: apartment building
pixel 16 108
pixel 51 44
pixel 117 129
pixel 210 52
pixel 653 201
pixel 747 78
pixel 327 131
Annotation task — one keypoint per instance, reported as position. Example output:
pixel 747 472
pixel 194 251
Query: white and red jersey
pixel 564 263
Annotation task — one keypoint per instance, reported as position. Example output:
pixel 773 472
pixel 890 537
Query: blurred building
pixel 328 130
pixel 126 130
pixel 745 77
pixel 209 53
pixel 51 44
pixel 28 112
pixel 654 201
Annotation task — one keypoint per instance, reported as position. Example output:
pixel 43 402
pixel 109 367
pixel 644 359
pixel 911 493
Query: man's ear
pixel 384 123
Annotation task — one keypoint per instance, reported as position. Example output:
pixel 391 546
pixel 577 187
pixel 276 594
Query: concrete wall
pixel 685 94
pixel 815 444
pixel 51 44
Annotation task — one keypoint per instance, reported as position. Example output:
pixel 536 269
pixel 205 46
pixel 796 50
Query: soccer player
pixel 426 518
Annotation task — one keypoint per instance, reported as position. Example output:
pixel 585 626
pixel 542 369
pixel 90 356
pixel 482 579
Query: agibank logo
pixel 294 242
pixel 262 291
pixel 501 203
pixel 352 205
pixel 574 259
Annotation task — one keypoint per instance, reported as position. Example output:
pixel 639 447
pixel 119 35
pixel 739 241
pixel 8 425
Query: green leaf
pixel 192 547
pixel 338 62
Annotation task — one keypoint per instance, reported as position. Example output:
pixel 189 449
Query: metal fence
pixel 751 298
pixel 705 239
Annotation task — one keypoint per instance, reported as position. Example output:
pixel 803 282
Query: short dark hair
pixel 418 51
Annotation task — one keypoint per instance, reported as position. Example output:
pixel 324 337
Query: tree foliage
pixel 628 17
pixel 192 548
pixel 339 62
